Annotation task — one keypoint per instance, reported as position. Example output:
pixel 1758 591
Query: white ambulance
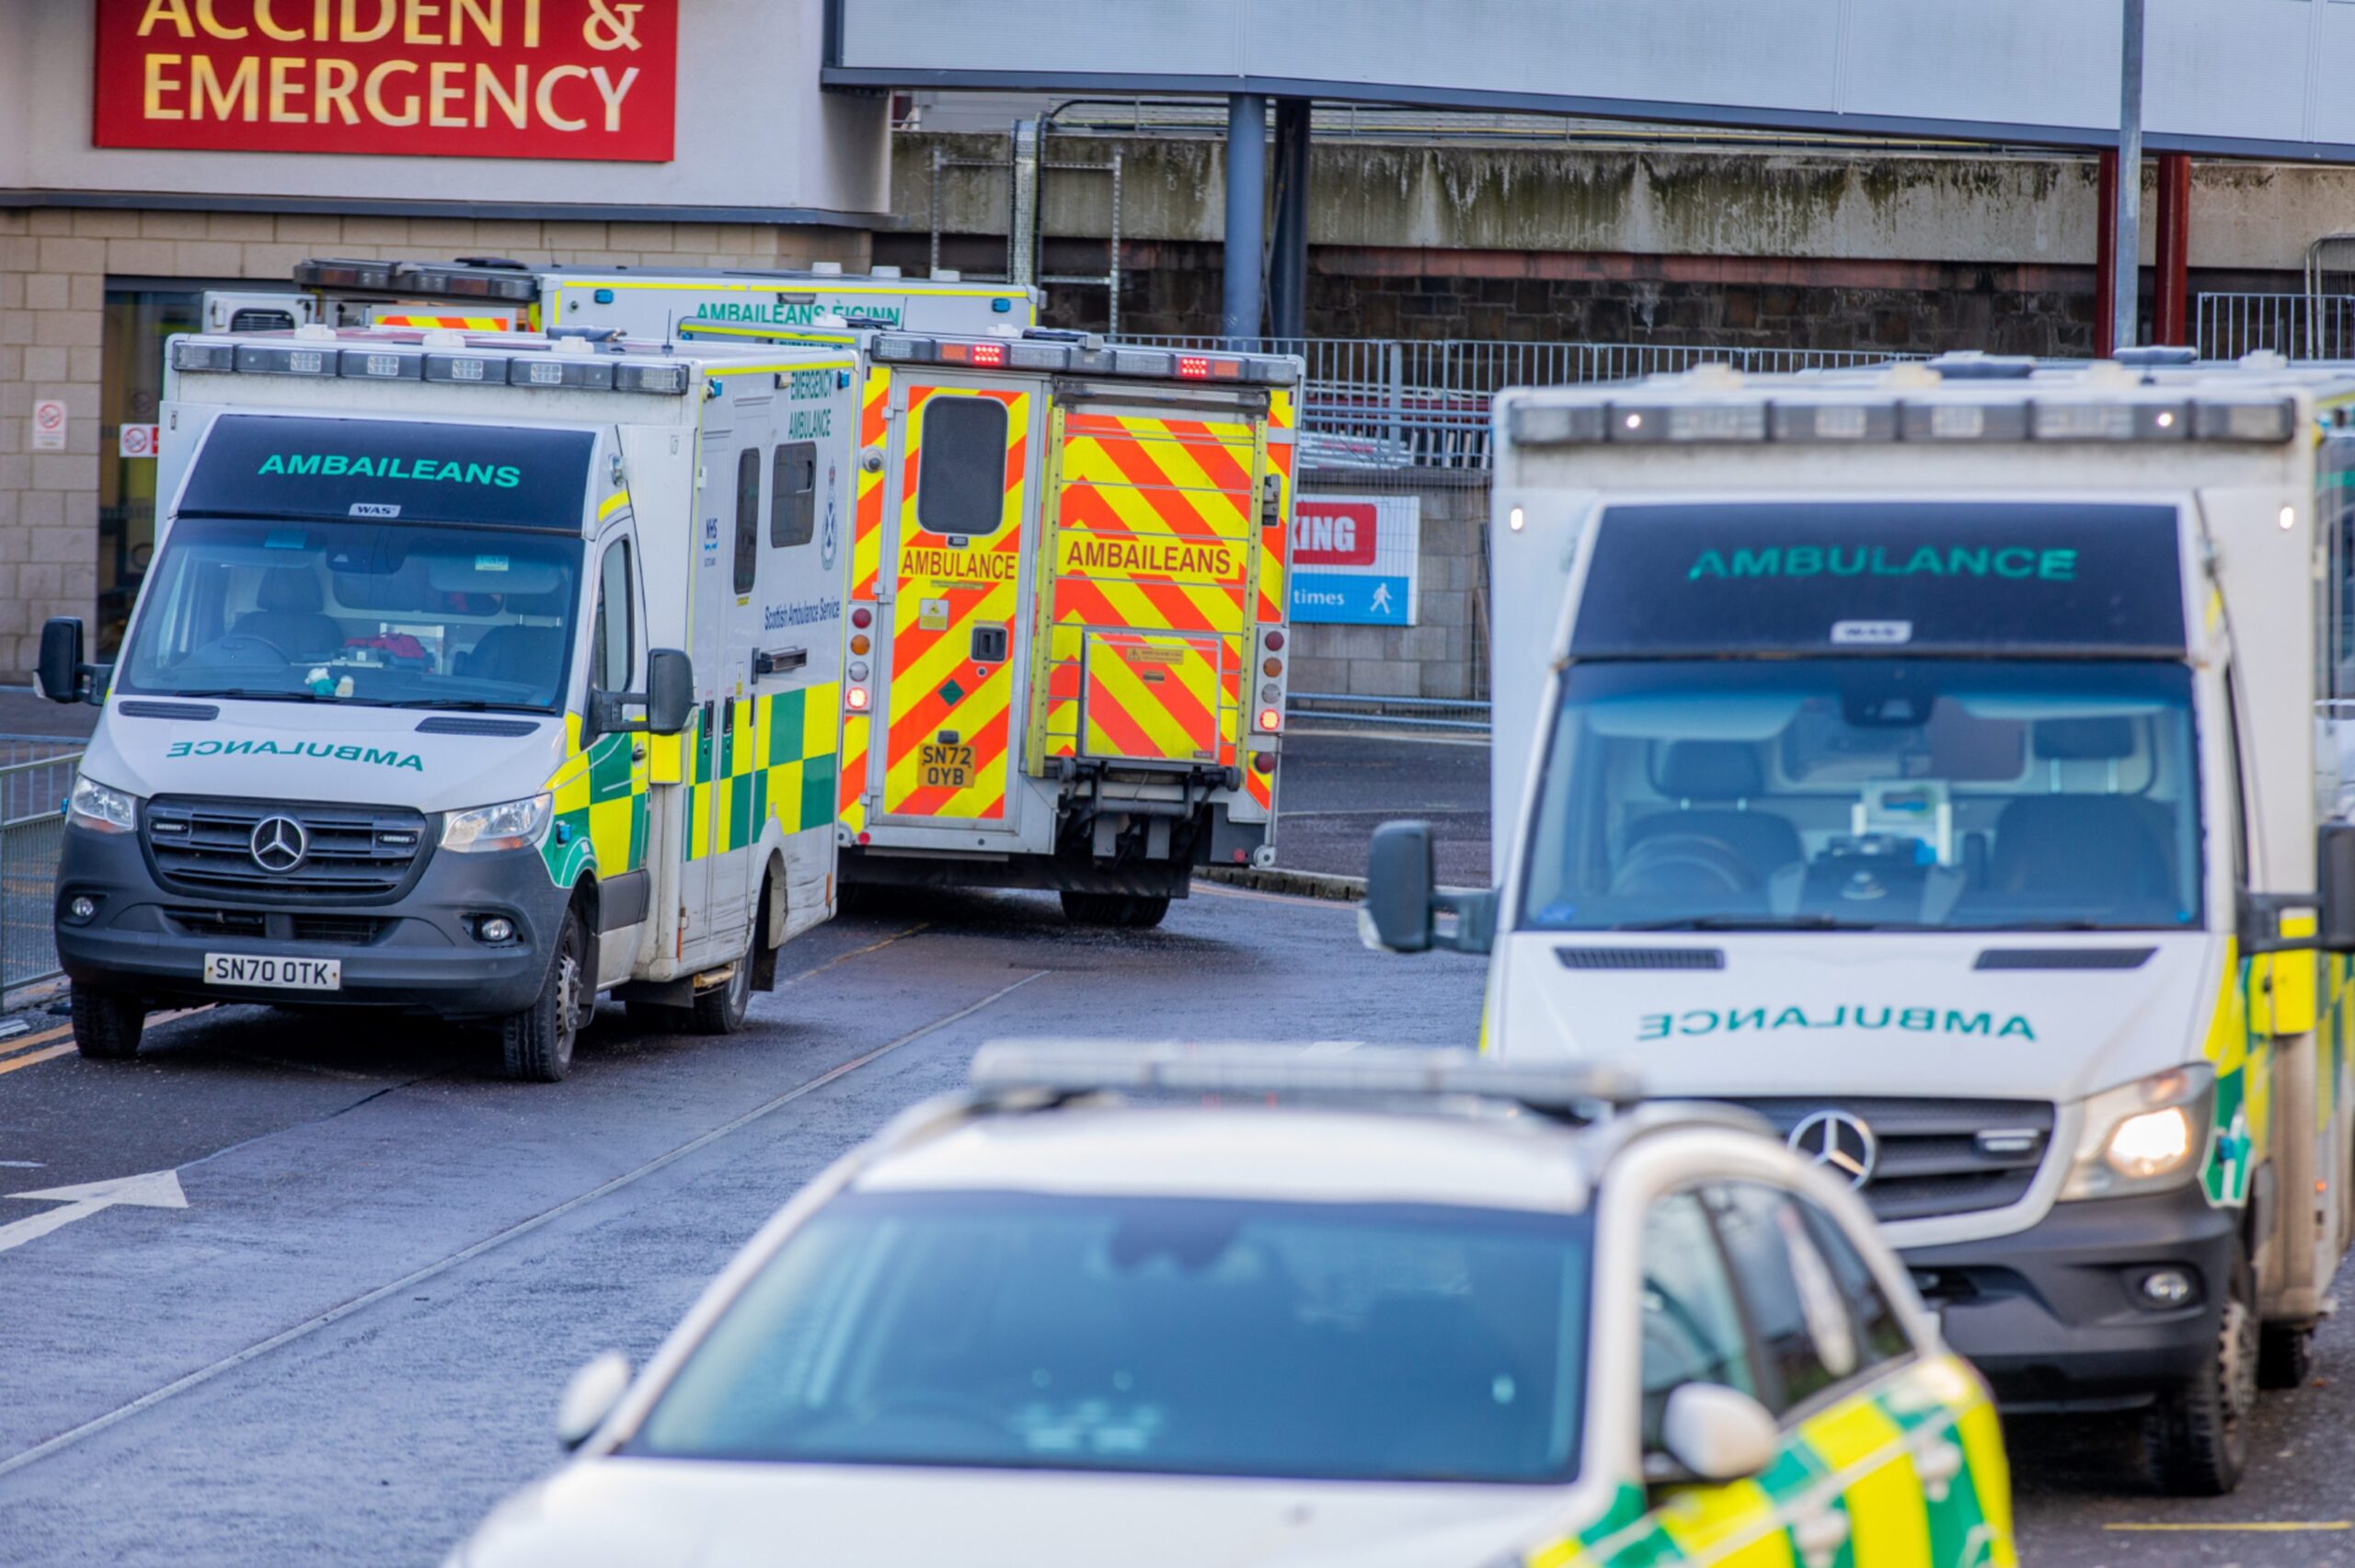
pixel 476 675
pixel 487 293
pixel 1927 759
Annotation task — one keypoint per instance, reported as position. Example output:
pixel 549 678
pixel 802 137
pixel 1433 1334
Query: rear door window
pixel 960 475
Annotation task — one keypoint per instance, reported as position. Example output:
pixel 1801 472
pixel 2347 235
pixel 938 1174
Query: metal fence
pixel 36 774
pixel 2303 327
pixel 1413 713
pixel 1400 403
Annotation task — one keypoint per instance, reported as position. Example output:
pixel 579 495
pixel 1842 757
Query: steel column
pixel 1247 203
pixel 2106 255
pixel 2171 311
pixel 2126 302
pixel 1288 266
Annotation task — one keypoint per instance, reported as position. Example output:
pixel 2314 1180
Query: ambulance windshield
pixel 1868 794
pixel 371 613
pixel 1015 1330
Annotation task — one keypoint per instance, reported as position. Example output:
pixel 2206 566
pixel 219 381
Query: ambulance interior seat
pixel 518 654
pixel 1709 833
pixel 2072 843
pixel 289 616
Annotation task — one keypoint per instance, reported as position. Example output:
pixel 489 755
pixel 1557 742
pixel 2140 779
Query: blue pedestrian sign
pixel 1349 601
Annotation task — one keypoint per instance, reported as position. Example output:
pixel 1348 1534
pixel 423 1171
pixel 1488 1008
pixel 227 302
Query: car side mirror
pixel 63 677
pixel 1403 899
pixel 668 698
pixel 1717 1434
pixel 590 1396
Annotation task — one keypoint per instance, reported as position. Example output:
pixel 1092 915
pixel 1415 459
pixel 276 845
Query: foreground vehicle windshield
pixel 1011 1329
pixel 357 612
pixel 1869 793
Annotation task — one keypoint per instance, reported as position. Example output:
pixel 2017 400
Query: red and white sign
pixel 139 440
pixel 424 78
pixel 48 425
pixel 1327 531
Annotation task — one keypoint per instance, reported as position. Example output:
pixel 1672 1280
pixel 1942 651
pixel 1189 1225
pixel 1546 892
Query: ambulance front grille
pixel 349 852
pixel 1935 1157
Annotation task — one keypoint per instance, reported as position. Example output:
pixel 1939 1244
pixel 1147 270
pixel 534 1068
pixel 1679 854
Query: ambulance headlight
pixel 101 809
pixel 2144 1136
pixel 510 825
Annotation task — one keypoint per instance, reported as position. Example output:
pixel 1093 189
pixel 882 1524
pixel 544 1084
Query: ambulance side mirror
pixel 1403 899
pixel 63 677
pixel 2335 880
pixel 1713 1433
pixel 668 698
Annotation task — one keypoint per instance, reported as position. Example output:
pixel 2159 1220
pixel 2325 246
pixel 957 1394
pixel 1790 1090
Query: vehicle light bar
pixel 285 359
pixel 545 370
pixel 1653 423
pixel 188 356
pixel 460 282
pixel 364 364
pixel 337 273
pixel 1081 1067
pixel 579 369
pixel 1086 354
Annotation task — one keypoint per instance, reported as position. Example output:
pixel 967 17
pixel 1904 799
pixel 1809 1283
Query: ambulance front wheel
pixel 536 1045
pixel 2195 1439
pixel 1134 911
pixel 721 1009
pixel 108 1024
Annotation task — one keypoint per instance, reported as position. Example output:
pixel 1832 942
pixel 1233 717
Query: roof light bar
pixel 1080 1067
pixel 337 273
pixel 541 369
pixel 2273 421
pixel 366 364
pixel 285 358
pixel 1834 421
pixel 188 356
pixel 573 365
pixel 2038 419
pixel 1963 421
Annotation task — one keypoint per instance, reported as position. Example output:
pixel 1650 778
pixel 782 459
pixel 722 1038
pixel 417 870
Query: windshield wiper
pixel 1750 922
pixel 243 695
pixel 469 705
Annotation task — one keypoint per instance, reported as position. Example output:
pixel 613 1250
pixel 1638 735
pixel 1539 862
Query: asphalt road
pixel 348 1344
pixel 1340 783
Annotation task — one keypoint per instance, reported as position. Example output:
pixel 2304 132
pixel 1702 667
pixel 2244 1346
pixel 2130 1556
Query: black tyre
pixel 536 1045
pixel 1121 910
pixel 2285 1356
pixel 2195 1439
pixel 108 1024
pixel 720 1010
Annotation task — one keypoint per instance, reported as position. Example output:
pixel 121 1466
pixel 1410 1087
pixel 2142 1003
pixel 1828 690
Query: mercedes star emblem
pixel 1839 1141
pixel 279 844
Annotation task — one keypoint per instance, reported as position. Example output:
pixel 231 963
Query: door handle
pixel 1819 1535
pixel 778 662
pixel 637 753
pixel 1935 1466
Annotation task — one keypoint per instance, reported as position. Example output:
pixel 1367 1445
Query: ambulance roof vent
pixel 827 268
pixel 947 275
pixel 883 272
pixel 312 332
pixel 2265 360
pixel 445 340
pixel 572 345
pixel 1977 364
pixel 1712 376
pixel 2154 355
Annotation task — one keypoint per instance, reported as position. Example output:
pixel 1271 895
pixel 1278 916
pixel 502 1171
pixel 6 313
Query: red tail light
pixel 1271 720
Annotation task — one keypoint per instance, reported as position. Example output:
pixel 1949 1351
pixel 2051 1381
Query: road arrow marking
pixel 156 1189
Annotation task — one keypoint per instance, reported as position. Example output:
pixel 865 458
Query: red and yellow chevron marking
pixel 1262 787
pixel 950 718
pixel 851 782
pixel 446 322
pixel 1275 541
pixel 867 529
pixel 1152 696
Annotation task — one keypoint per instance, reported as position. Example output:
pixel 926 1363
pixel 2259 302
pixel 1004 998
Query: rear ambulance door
pixel 957 550
pixel 1155 566
pixel 705 893
pixel 601 797
pixel 789 639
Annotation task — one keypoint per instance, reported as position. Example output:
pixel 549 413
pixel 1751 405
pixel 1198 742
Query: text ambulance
pixel 476 675
pixel 1067 632
pixel 1926 758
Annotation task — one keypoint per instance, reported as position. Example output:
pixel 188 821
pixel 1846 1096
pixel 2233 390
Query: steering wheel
pixel 1667 863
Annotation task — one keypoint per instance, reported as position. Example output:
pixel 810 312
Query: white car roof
pixel 1291 1153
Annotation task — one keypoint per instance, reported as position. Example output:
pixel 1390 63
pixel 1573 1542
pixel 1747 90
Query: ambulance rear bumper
pixel 2054 1316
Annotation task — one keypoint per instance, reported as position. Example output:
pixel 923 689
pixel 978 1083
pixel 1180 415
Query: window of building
pixel 131 395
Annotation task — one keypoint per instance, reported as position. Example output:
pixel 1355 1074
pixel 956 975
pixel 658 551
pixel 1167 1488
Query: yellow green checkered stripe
pixel 1859 1457
pixel 600 811
pixel 777 759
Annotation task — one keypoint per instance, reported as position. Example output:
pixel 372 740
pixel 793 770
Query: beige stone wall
pixel 54 264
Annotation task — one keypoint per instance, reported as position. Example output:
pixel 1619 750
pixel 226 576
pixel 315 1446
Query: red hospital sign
pixel 1333 534
pixel 424 78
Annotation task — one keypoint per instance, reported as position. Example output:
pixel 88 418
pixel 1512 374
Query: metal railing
pixel 1413 713
pixel 36 774
pixel 1401 402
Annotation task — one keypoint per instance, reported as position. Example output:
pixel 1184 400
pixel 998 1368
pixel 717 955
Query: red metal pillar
pixel 2171 310
pixel 2106 255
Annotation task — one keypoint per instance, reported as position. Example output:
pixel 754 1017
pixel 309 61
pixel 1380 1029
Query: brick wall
pixel 54 264
pixel 1445 654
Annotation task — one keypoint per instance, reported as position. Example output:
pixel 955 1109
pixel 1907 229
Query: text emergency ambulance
pixel 647 303
pixel 1066 663
pixel 476 675
pixel 1926 758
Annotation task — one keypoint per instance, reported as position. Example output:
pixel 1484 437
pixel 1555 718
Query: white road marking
pixel 155 1190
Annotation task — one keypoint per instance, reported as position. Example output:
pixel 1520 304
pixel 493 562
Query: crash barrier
pixel 2300 326
pixel 36 775
pixel 1382 403
pixel 1411 713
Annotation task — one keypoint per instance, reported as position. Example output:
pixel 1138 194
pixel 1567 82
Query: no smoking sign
pixel 48 425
